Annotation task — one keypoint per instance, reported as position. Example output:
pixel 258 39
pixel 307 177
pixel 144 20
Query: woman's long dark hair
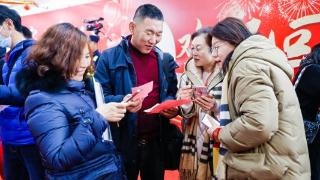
pixel 232 30
pixel 312 58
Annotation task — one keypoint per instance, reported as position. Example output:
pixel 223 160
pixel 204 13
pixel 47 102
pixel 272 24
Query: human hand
pixel 133 105
pixel 206 102
pixel 210 131
pixel 185 92
pixel 113 111
pixel 170 113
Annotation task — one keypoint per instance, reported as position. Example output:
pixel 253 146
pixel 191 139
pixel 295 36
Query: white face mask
pixel 5 42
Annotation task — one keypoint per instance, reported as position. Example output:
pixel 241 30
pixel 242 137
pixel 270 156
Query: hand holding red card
pixel 142 91
pixel 166 105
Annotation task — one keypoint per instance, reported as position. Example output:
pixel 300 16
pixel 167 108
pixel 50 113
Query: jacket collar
pixel 258 47
pixel 19 47
pixel 74 85
pixel 22 45
pixel 124 44
pixel 194 75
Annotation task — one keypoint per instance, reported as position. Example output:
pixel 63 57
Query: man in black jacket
pixel 134 62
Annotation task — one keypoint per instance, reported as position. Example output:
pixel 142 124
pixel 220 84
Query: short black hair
pixel 26 32
pixel 203 31
pixel 148 11
pixel 7 13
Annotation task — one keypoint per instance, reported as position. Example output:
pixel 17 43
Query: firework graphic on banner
pixel 295 9
pixel 268 7
pixel 238 8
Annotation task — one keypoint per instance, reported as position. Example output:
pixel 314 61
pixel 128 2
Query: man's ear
pixel 132 25
pixel 10 24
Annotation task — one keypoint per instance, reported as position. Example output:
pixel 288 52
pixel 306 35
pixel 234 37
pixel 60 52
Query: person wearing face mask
pixel 262 133
pixel 200 71
pixel 21 156
pixel 136 61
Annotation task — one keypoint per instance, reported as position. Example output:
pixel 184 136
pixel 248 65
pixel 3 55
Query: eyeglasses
pixel 215 48
pixel 196 49
pixel 214 51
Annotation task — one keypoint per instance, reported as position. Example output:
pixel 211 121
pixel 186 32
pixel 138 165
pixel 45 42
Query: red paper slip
pixel 143 90
pixel 166 105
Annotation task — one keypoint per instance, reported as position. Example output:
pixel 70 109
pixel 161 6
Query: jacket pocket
pixel 252 166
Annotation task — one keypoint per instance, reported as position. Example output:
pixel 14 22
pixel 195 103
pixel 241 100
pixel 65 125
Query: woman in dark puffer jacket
pixel 308 92
pixel 61 114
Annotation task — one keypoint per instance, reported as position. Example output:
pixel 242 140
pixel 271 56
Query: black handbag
pixel 172 143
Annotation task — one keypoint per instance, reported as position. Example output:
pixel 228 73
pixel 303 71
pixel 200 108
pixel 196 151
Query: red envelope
pixel 142 90
pixel 166 105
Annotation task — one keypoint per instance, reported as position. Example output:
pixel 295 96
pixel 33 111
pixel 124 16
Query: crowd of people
pixel 263 123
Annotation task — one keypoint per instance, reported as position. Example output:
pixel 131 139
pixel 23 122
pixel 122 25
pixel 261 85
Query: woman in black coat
pixel 308 91
pixel 62 115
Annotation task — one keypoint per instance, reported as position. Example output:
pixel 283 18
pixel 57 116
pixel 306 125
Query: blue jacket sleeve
pixel 59 147
pixel 102 75
pixel 9 95
pixel 171 77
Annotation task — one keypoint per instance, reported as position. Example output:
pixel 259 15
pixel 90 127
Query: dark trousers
pixel 149 161
pixel 314 155
pixel 22 162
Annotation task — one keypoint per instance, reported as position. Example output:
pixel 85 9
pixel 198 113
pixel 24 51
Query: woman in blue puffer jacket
pixel 62 115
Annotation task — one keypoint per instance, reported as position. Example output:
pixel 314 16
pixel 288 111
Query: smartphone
pixel 210 122
pixel 200 91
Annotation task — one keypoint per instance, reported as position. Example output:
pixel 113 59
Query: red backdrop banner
pixel 293 25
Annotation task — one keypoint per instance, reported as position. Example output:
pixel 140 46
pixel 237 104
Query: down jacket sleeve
pixel 9 95
pixel 60 148
pixel 102 74
pixel 256 108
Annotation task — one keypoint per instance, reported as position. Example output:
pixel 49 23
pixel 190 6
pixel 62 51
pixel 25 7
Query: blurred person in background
pixel 21 156
pixel 308 91
pixel 93 45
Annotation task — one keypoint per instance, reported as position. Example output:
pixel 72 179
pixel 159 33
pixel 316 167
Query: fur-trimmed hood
pixel 28 79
